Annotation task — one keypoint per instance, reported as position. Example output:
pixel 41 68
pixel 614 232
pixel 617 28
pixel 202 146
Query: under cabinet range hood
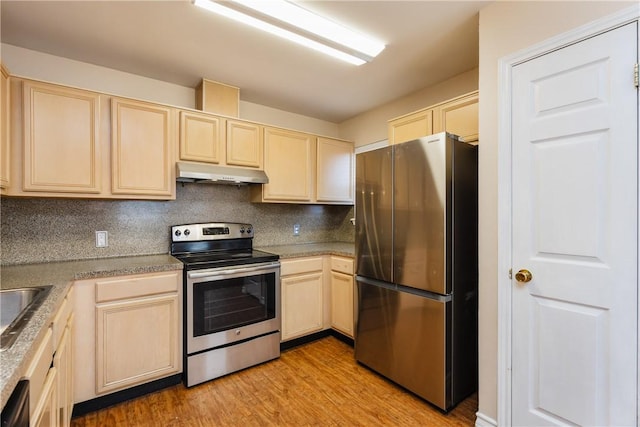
pixel 215 174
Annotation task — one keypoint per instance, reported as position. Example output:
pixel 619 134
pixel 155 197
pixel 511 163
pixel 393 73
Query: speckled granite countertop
pixel 59 275
pixel 310 249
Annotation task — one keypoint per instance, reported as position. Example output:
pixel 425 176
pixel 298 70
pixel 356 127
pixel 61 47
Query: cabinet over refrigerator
pixel 417 268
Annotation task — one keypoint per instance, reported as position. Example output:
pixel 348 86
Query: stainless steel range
pixel 231 299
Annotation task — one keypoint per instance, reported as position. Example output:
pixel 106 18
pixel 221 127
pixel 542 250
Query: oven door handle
pixel 228 272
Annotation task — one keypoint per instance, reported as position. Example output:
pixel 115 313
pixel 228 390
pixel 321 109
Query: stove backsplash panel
pixel 43 230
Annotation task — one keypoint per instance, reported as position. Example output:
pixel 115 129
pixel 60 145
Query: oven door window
pixel 224 304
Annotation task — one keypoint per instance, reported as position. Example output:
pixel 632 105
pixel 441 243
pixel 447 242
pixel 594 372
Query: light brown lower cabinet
pixel 45 412
pixel 342 295
pixel 50 372
pixel 128 332
pixel 301 289
pixel 63 362
pixel 317 293
pixel 136 341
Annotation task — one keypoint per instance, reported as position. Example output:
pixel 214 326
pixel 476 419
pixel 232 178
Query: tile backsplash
pixel 43 230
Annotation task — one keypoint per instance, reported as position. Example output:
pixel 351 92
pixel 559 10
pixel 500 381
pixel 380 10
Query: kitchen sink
pixel 16 308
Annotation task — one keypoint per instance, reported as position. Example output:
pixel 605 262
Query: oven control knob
pixel 177 233
pixel 249 230
pixel 237 331
pixel 241 229
pixel 187 232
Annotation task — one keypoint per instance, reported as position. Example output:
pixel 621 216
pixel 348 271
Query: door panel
pixel 404 337
pixel 558 202
pixel 374 205
pixel 574 325
pixel 585 328
pixel 422 176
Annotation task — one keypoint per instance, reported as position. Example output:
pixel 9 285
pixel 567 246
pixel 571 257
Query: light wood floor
pixel 317 384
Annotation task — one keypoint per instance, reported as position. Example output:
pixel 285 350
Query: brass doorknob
pixel 524 276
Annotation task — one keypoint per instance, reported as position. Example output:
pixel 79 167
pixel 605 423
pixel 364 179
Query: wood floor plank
pixel 316 384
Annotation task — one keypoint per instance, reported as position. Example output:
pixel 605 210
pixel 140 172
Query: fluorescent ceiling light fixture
pixel 292 22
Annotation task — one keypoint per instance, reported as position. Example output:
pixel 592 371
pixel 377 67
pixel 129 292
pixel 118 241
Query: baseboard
pixel 98 403
pixel 342 337
pixel 484 421
pixel 315 337
pixel 304 340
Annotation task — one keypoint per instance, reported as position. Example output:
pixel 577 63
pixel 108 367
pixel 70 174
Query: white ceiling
pixel 174 41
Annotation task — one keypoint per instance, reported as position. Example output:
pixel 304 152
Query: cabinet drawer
pixel 61 318
pixel 300 265
pixel 136 286
pixel 342 265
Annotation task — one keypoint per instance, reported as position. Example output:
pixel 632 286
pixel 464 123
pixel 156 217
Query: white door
pixel 575 172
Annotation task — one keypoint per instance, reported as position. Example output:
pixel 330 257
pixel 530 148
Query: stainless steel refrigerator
pixel 417 266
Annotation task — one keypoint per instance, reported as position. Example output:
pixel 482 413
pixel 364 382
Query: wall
pixel 41 66
pixel 285 119
pixel 37 229
pixel 372 126
pixel 505 28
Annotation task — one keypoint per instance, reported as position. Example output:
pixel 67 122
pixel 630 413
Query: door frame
pixel 505 289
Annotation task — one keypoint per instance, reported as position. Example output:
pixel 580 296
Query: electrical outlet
pixel 102 239
pixel 296 229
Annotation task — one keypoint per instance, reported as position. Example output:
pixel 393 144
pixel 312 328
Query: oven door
pixel 229 304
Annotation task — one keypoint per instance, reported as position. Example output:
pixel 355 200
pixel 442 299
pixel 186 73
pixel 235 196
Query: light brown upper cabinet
pixel 68 142
pixel 218 98
pixel 303 168
pixel 61 139
pixel 244 144
pixel 458 116
pixel 411 126
pixel 289 162
pixel 201 137
pixel 213 139
pixel 4 129
pixel 142 148
pixel 335 171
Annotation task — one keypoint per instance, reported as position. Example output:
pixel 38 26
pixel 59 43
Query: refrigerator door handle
pixel 375 282
pixel 407 289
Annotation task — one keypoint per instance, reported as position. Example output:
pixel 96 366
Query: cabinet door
pixel 4 128
pixel 61 361
pixel 201 137
pixel 45 413
pixel 244 144
pixel 289 161
pixel 459 117
pixel 136 341
pixel 61 143
pixel 335 171
pixel 69 398
pixel 342 302
pixel 38 371
pixel 411 126
pixel 142 138
pixel 301 304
